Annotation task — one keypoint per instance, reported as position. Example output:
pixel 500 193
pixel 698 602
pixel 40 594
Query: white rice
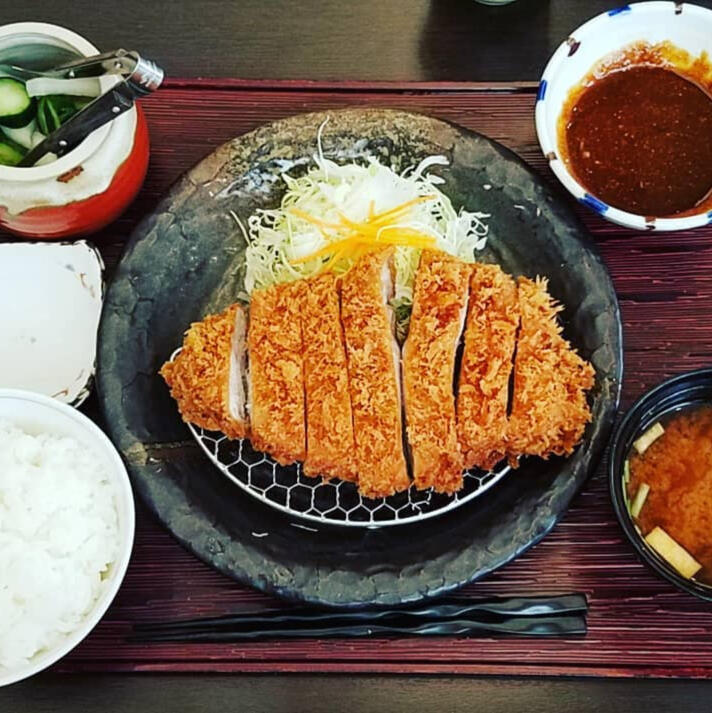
pixel 58 534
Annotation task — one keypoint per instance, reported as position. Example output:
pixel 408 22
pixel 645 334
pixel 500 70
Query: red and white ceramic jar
pixel 91 185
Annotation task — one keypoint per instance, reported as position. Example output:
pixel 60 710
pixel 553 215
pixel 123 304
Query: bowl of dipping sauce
pixel 624 115
pixel 660 478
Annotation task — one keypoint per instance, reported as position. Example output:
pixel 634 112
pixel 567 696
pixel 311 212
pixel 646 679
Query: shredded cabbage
pixel 330 192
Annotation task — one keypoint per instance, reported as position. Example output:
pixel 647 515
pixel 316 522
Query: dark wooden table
pixel 477 66
pixel 406 40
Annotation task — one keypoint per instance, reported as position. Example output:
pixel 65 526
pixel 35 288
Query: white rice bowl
pixel 66 530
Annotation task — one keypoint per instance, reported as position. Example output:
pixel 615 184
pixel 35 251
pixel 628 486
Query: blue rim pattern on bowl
pixel 594 203
pixel 619 10
pixel 542 90
pixel 548 139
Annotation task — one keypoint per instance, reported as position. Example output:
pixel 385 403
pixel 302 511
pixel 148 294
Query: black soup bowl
pixel 687 390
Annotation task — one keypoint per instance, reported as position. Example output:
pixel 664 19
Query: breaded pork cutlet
pixel 549 410
pixel 483 388
pixel 374 375
pixel 436 322
pixel 207 378
pixel 330 432
pixel 277 420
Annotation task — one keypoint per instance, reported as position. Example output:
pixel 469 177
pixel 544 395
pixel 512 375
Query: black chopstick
pixel 512 626
pixel 442 608
pixel 301 621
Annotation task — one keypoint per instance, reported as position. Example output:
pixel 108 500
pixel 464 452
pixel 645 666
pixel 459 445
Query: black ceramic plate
pixel 185 261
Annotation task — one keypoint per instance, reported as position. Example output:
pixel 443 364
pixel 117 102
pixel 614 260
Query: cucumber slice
pixel 10 153
pixel 21 136
pixel 48 86
pixel 16 106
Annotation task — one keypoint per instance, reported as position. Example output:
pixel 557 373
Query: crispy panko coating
pixel 483 392
pixel 374 378
pixel 437 319
pixel 330 433
pixel 276 372
pixel 549 408
pixel 199 377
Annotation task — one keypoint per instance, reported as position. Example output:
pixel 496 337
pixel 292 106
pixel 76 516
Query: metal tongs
pixel 139 76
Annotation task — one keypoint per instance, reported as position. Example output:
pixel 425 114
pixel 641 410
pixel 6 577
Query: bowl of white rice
pixel 66 530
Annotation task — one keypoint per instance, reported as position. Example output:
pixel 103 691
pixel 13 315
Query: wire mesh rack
pixel 332 502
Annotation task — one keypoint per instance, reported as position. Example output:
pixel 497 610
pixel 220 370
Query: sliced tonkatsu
pixel 330 433
pixel 207 378
pixel 483 387
pixel 436 323
pixel 374 375
pixel 277 414
pixel 326 386
pixel 549 409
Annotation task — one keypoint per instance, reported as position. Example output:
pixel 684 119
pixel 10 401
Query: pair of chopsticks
pixel 563 615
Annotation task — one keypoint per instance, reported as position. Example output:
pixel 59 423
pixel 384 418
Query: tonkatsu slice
pixel 374 375
pixel 330 433
pixel 549 409
pixel 207 378
pixel 436 323
pixel 277 421
pixel 486 367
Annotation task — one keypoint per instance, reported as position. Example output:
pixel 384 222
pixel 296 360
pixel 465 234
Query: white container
pixel 52 297
pixel 686 26
pixel 91 185
pixel 36 414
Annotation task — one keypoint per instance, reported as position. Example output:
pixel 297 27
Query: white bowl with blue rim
pixel 684 25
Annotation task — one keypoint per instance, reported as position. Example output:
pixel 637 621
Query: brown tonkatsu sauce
pixel 640 139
